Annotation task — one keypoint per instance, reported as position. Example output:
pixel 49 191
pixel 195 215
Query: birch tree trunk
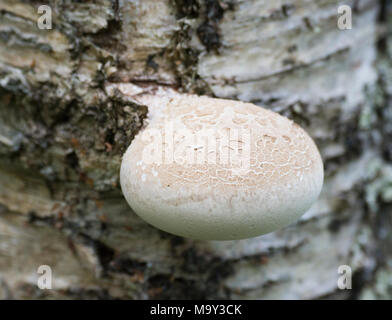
pixel 66 119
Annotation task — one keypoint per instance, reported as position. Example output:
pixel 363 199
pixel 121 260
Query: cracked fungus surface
pixel 201 160
pixel 253 147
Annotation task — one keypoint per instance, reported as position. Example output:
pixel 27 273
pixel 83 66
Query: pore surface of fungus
pixel 218 169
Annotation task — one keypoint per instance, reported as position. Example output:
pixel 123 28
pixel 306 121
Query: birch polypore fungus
pixel 217 169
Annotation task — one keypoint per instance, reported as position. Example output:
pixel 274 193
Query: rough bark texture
pixel 65 120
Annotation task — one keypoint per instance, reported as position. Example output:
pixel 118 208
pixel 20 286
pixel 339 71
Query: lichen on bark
pixel 65 122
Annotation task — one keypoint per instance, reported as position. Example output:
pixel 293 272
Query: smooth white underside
pixel 209 214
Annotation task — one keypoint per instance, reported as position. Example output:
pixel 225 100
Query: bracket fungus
pixel 216 169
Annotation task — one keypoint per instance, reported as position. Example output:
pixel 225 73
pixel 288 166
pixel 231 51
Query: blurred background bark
pixel 65 120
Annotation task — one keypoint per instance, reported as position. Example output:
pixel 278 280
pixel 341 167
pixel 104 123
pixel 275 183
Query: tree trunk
pixel 66 119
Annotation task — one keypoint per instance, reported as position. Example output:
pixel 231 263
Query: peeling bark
pixel 65 120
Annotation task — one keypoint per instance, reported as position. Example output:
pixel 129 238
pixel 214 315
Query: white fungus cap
pixel 217 169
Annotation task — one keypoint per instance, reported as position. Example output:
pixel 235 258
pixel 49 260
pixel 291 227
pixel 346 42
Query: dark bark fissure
pixel 65 135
